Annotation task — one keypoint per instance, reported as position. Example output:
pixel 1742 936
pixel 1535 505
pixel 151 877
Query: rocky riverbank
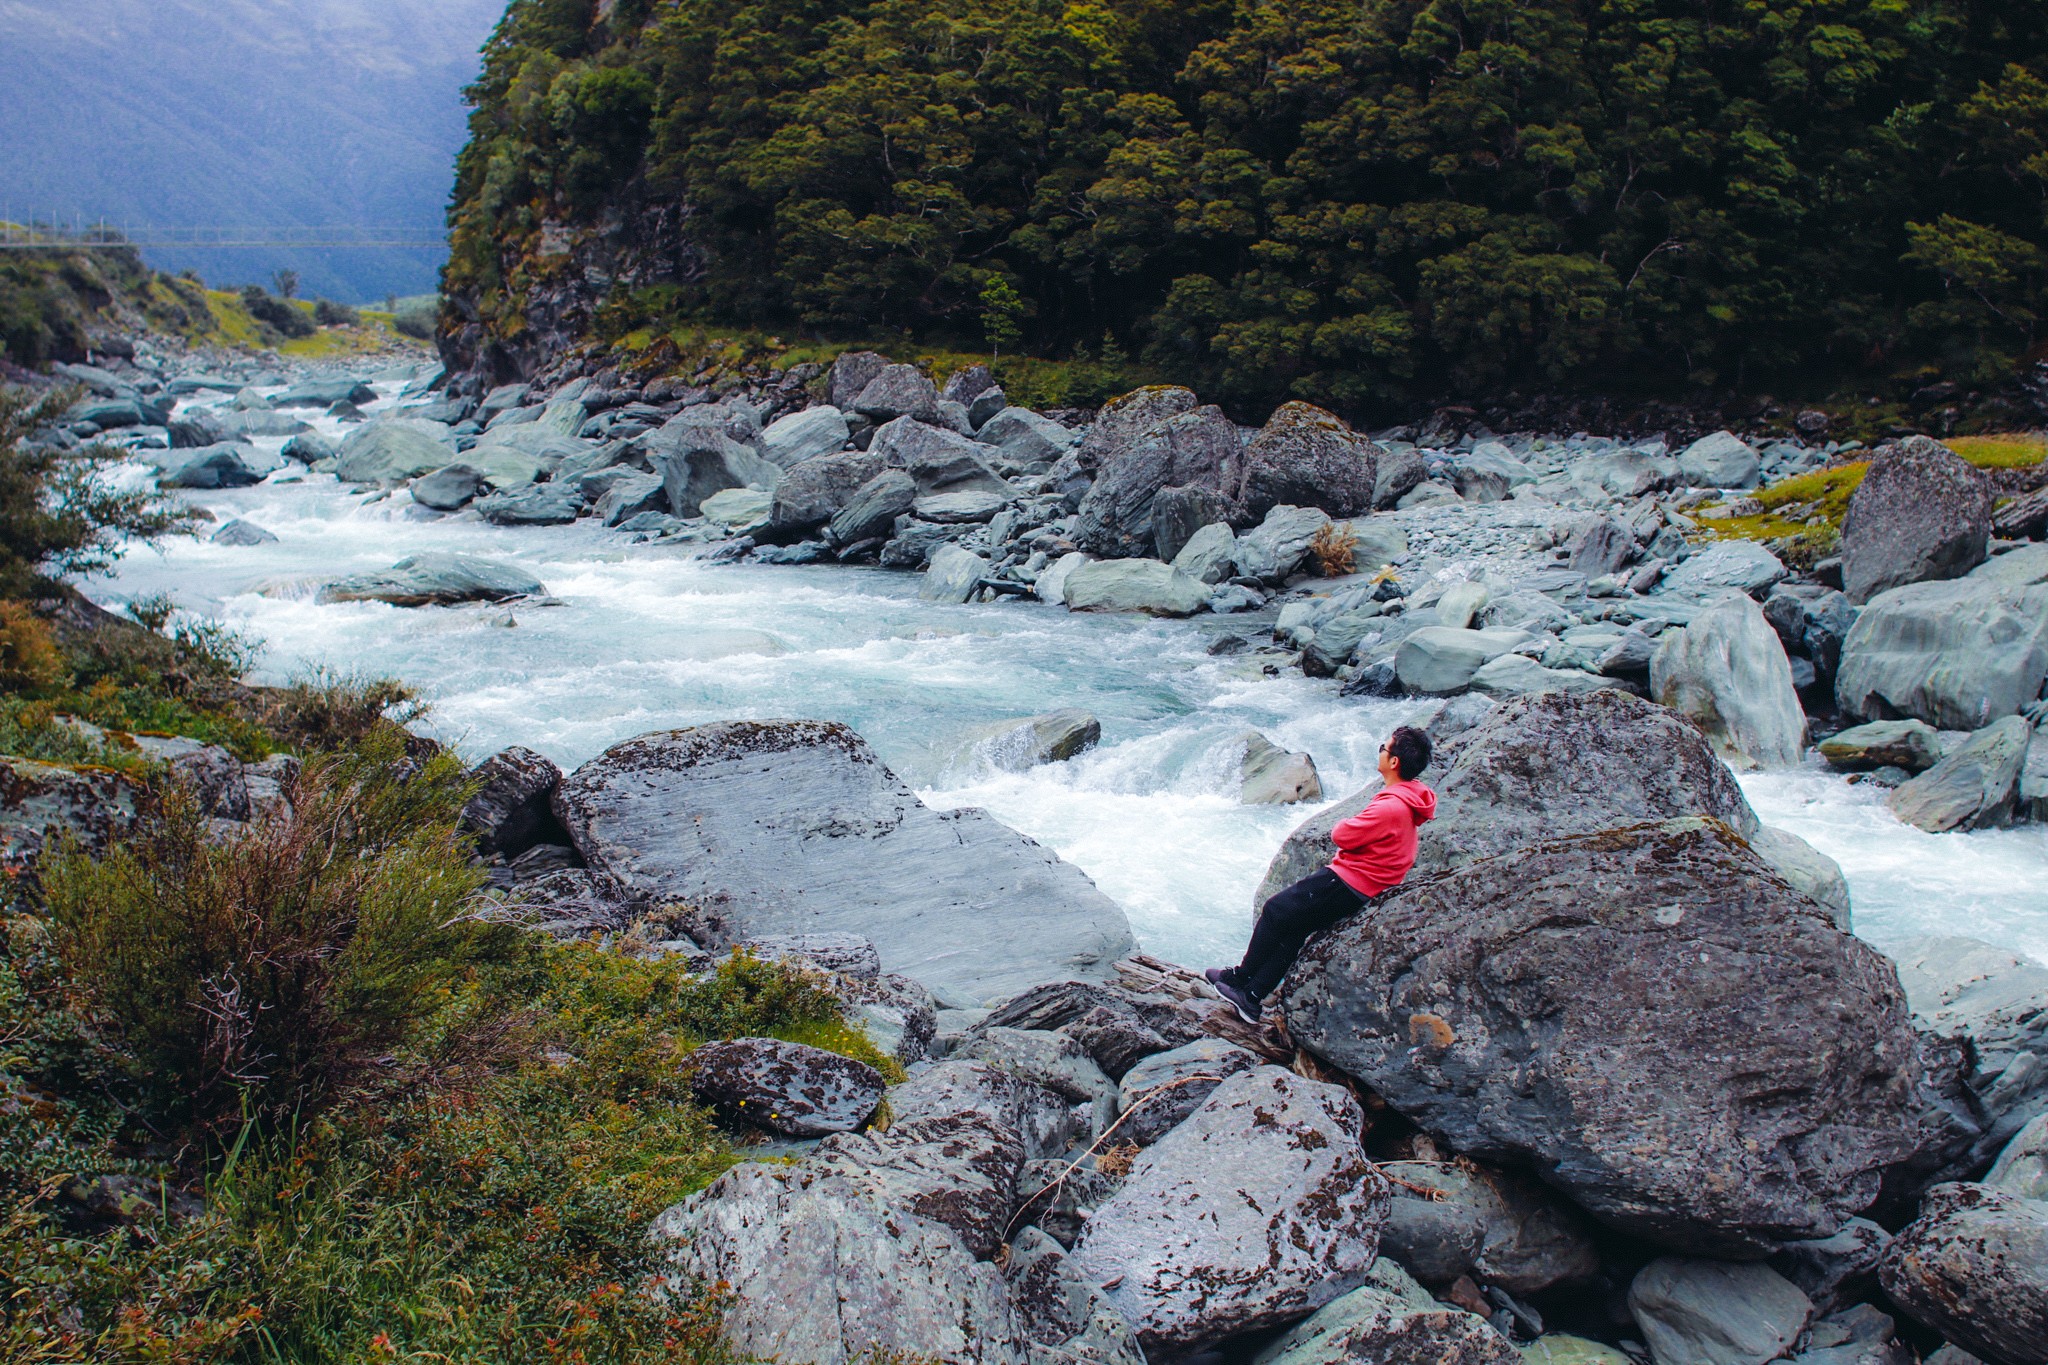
pixel 1609 1079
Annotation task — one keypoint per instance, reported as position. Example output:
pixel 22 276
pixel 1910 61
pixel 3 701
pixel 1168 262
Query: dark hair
pixel 1410 748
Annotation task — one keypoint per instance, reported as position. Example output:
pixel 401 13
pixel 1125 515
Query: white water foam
pixel 646 637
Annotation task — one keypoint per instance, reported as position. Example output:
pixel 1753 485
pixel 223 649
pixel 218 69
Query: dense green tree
pixel 1359 202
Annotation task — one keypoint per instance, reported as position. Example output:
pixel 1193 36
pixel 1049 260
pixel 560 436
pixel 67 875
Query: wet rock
pixel 1810 872
pixel 1727 671
pixel 1910 744
pixel 899 391
pixel 392 450
pixel 772 827
pixel 698 456
pixel 44 801
pixel 308 447
pixel 1272 776
pixel 1722 460
pixel 436 579
pixel 632 495
pixel 1055 737
pixel 1694 1312
pixel 450 489
pixel 511 811
pixel 1260 1207
pixel 1200 449
pixel 1921 513
pixel 786 1088
pixel 1957 655
pixel 2022 1168
pixel 952 575
pixel 1517 675
pixel 743 511
pixel 1835 1271
pixel 1437 660
pixel 1974 1267
pixel 1961 988
pixel 1209 555
pixel 1567 1006
pixel 1279 545
pixel 532 504
pixel 322 393
pixel 1060 1311
pixel 790 440
pixel 1495 1226
pixel 242 534
pixel 1134 585
pixel 242 426
pixel 1306 457
pixel 224 466
pixel 1390 1319
pixel 1974 787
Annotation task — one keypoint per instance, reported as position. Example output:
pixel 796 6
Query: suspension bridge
pixel 39 232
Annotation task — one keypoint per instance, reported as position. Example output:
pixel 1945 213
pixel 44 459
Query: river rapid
pixel 641 638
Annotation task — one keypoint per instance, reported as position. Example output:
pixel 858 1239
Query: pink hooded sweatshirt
pixel 1376 847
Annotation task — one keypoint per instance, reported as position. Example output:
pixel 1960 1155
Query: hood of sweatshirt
pixel 1420 800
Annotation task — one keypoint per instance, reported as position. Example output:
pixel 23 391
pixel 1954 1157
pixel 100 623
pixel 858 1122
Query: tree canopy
pixel 1355 202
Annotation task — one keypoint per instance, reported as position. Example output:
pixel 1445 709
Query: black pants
pixel 1285 923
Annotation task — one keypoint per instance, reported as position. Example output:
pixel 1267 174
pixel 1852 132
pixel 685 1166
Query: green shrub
pixel 263 972
pixel 328 313
pixel 323 710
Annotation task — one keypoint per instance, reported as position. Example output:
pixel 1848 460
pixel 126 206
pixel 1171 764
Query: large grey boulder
pixel 796 827
pixel 1712 570
pixel 899 391
pixel 1016 746
pixel 1910 744
pixel 953 575
pixel 1200 449
pixel 1921 513
pixel 850 373
pixel 815 491
pixel 1973 787
pixel 42 802
pixel 1134 585
pixel 634 494
pixel 1536 768
pixel 1124 419
pixel 324 393
pixel 1065 1318
pixel 450 489
pixel 1439 660
pixel 787 1088
pixel 941 461
pixel 1962 988
pixel 1722 460
pixel 1023 437
pixel 831 1260
pixel 532 504
pixel 1306 457
pixel 511 810
pixel 1279 544
pixel 1957 655
pixel 1625 473
pixel 1052 1061
pixel 393 450
pixel 1168 1086
pixel 1838 1270
pixel 1401 468
pixel 504 465
pixel 210 467
pixel 436 579
pixel 1269 775
pixel 1974 1267
pixel 1728 672
pixel 1495 1226
pixel 1210 554
pixel 963 507
pixel 1518 675
pixel 1045 1122
pixel 1569 1007
pixel 1695 1312
pixel 791 439
pixel 261 422
pixel 242 534
pixel 2022 1168
pixel 698 454
pixel 873 509
pixel 1391 1319
pixel 1260 1207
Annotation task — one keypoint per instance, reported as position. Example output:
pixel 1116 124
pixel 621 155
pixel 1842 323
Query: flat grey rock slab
pixel 778 827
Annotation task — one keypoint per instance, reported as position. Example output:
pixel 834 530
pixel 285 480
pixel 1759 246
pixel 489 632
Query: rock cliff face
pixel 637 243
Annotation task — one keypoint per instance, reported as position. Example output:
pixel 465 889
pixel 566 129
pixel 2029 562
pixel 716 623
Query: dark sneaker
pixel 1246 1007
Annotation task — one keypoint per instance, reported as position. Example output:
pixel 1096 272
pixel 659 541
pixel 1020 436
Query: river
pixel 641 638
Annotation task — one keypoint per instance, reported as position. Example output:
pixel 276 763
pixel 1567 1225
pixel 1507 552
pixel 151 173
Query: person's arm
pixel 1368 826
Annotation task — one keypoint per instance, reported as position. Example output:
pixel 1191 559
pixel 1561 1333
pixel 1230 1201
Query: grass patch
pixel 2003 450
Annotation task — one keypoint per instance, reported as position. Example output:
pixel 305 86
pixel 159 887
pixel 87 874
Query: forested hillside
pixel 1365 203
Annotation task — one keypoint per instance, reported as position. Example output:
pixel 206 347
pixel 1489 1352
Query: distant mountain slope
pixel 217 112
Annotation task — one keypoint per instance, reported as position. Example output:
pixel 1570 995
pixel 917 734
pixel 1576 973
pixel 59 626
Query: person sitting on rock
pixel 1375 849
